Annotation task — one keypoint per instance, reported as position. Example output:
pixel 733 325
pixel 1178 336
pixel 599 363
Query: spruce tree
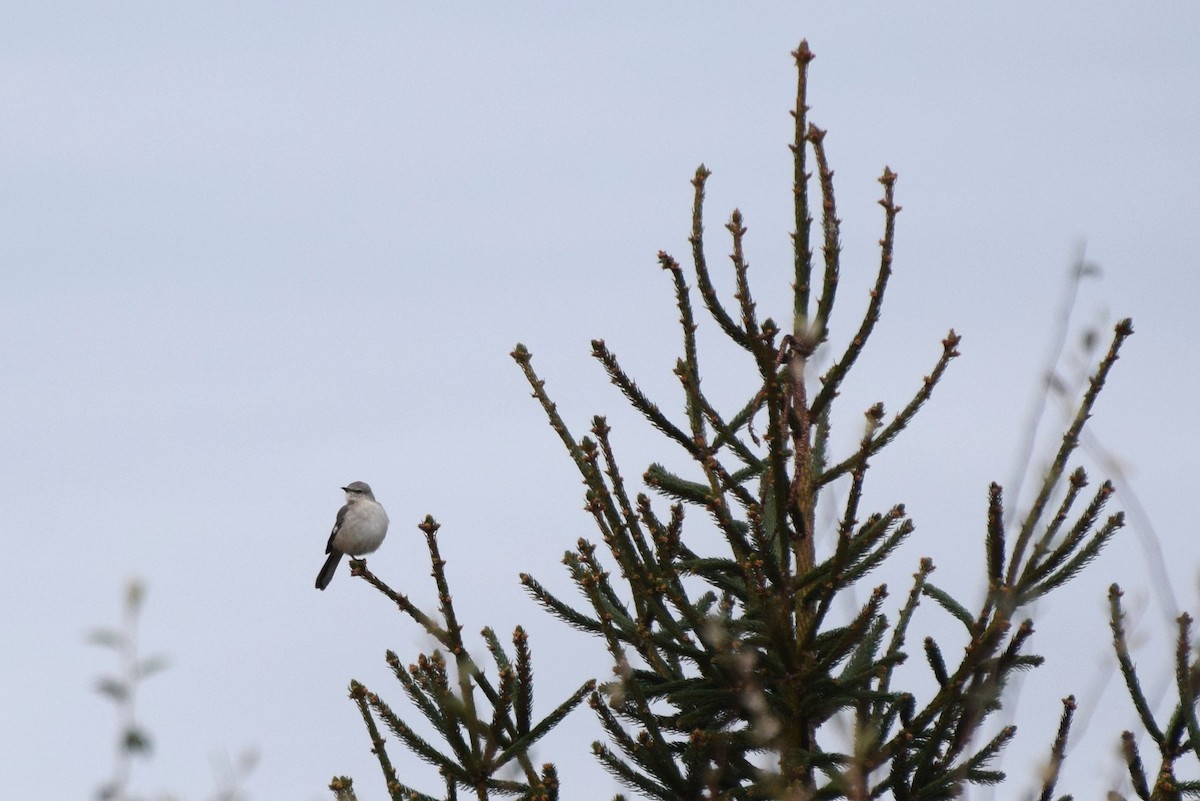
pixel 727 666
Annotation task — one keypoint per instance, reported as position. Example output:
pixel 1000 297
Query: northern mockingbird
pixel 360 528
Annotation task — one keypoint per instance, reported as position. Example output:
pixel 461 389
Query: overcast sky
pixel 253 252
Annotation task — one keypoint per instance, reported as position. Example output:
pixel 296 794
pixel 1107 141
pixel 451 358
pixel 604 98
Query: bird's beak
pixel 345 489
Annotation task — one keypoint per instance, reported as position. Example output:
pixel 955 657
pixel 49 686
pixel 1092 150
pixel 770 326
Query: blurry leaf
pixel 134 592
pixel 109 638
pixel 247 761
pixel 113 688
pixel 136 741
pixel 151 665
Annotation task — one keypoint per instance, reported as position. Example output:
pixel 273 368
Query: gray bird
pixel 360 528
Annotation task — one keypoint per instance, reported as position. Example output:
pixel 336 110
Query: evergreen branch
pixel 831 647
pixel 419 698
pixel 616 624
pixel 530 736
pixel 1185 682
pixel 628 776
pixel 726 436
pixel 413 741
pixel 703 279
pixel 524 358
pixel 897 780
pixel 1011 657
pixel 616 731
pixel 501 729
pixel 494 648
pixel 740 269
pixel 690 361
pixel 630 691
pixel 858 472
pixel 776 483
pixel 523 702
pixel 1075 484
pixel 612 619
pixel 838 571
pixel 1128 672
pixel 726 574
pixel 893 652
pixel 563 611
pixel 844 553
pixel 862 663
pixel 902 419
pixel 650 750
pixel 671 485
pixel 803 221
pixel 359 694
pixel 358 567
pixel 1070 441
pixel 720 481
pixel 431 675
pixel 744 415
pixel 832 380
pixel 820 448
pixel 1086 521
pixel 1081 559
pixel 1041 560
pixel 876 557
pixel 549 785
pixel 974 766
pixel 639 401
pixel 831 225
pixel 944 600
pixel 995 534
pixel 1058 751
pixel 667 550
pixel 620 525
pixel 343 789
pixel 1137 770
pixel 466 667
pixel 937 662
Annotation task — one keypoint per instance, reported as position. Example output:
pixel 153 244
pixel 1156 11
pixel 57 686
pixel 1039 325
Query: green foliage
pixel 1181 735
pixel 487 725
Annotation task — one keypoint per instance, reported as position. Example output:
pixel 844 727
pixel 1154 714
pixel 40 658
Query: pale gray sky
pixel 255 252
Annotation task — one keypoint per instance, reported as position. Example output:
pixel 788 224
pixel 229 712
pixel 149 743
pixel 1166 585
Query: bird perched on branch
pixel 360 528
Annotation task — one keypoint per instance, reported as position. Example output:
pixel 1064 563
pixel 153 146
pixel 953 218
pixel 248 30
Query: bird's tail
pixel 328 569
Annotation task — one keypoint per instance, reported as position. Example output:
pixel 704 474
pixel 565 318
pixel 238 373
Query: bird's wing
pixel 337 525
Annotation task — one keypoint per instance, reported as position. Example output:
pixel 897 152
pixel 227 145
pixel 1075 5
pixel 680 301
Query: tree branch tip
pixel 702 174
pixel 1125 327
pixel 803 54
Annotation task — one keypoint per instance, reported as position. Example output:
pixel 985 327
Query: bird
pixel 359 529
